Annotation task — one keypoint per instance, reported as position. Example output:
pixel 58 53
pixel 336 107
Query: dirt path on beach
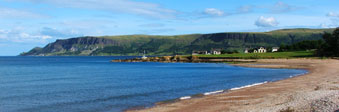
pixel 317 91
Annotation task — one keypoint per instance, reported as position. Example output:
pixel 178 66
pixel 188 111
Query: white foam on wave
pixel 302 74
pixel 185 97
pixel 298 74
pixel 236 88
pixel 214 92
pixel 255 84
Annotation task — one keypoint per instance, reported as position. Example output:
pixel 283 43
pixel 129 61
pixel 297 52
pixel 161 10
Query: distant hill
pixel 170 45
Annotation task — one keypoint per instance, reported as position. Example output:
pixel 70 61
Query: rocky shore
pixel 189 59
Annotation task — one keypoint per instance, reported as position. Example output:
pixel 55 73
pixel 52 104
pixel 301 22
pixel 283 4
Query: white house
pixel 216 52
pixel 275 49
pixel 260 50
pixel 246 50
pixel 199 53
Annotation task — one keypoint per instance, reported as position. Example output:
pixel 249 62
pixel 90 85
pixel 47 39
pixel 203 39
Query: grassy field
pixel 296 54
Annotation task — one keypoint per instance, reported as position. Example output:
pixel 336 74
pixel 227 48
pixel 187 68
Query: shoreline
pixel 191 103
pixel 204 94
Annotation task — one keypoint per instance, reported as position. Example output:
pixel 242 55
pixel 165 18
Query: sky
pixel 25 24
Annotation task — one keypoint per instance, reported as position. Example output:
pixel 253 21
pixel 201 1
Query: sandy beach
pixel 316 91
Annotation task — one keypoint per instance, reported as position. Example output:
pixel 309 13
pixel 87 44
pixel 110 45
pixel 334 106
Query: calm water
pixel 93 84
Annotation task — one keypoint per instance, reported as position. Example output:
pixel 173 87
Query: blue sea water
pixel 93 84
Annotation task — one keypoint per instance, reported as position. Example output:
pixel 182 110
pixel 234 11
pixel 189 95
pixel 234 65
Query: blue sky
pixel 25 24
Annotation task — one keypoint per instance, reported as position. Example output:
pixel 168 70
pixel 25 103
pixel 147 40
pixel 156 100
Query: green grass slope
pixel 275 55
pixel 176 44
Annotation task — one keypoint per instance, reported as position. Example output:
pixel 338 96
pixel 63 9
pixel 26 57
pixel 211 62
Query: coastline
pixel 295 93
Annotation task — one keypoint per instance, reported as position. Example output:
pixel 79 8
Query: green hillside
pixel 177 44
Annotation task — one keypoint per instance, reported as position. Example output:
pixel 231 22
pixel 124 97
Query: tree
pixel 331 46
pixel 229 51
pixel 302 46
pixel 282 48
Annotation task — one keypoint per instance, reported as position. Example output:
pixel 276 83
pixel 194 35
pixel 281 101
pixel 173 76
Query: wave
pixel 299 74
pixel 185 97
pixel 247 86
pixel 256 84
pixel 214 92
pixel 222 91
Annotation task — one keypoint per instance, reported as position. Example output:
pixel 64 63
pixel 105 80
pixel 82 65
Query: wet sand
pixel 316 91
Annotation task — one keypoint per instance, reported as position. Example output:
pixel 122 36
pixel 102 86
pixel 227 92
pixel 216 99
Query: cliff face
pixel 73 46
pixel 83 43
pixel 168 45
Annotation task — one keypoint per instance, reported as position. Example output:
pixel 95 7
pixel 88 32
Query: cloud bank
pixel 114 6
pixel 333 14
pixel 18 35
pixel 14 13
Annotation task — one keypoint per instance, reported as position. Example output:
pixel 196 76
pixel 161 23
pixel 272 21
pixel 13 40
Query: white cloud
pixel 14 13
pixel 214 12
pixel 334 23
pixel 278 7
pixel 17 35
pixel 334 20
pixel 115 6
pixel 333 14
pixel 266 22
pixel 324 26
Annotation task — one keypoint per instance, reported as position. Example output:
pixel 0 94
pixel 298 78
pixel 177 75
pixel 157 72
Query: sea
pixel 94 84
